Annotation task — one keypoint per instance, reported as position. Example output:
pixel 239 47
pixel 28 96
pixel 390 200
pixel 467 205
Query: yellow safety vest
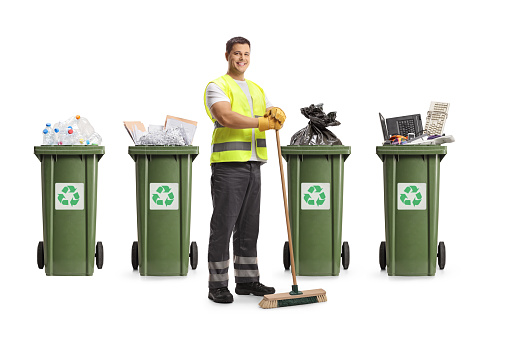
pixel 235 145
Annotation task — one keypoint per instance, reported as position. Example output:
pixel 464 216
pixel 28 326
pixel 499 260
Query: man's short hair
pixel 236 40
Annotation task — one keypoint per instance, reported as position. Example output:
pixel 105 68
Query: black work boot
pixel 220 295
pixel 254 288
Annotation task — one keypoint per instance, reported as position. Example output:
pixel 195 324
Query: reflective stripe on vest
pixel 234 145
pixel 231 146
pixel 237 146
pixel 261 143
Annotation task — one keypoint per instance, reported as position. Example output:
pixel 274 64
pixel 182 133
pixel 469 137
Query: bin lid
pixel 315 150
pixel 163 150
pixel 68 150
pixel 411 150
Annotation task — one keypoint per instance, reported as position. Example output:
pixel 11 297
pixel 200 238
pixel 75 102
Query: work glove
pixel 268 122
pixel 277 113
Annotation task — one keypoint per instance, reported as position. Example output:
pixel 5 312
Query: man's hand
pixel 268 122
pixel 274 118
pixel 276 113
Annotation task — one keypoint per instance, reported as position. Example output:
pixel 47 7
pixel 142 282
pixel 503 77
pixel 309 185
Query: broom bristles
pixel 268 303
pixel 286 299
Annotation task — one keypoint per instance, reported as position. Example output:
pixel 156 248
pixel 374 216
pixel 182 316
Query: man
pixel 241 113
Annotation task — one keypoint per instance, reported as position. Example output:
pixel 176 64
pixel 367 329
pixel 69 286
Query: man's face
pixel 238 59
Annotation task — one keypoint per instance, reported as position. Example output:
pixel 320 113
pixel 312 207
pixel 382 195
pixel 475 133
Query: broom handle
pixel 286 207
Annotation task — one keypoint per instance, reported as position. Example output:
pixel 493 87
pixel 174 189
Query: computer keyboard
pixel 435 119
pixel 406 126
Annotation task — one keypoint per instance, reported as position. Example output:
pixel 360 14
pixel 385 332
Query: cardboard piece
pixel 136 130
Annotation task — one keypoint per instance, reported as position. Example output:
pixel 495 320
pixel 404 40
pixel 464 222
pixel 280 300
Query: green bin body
pixel 163 173
pixel 316 219
pixel 69 206
pixel 411 182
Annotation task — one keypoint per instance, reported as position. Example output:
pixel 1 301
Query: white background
pixel 112 61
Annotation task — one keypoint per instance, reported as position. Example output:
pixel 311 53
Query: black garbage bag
pixel 316 133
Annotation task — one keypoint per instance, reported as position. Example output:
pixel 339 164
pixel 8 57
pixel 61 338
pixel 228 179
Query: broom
pixel 295 297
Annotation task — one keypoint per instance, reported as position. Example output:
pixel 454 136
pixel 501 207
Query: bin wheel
pixel 441 255
pixel 383 258
pixel 40 255
pixel 286 255
pixel 193 255
pixel 99 255
pixel 134 256
pixel 345 255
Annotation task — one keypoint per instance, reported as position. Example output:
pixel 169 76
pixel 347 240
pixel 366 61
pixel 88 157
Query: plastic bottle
pixel 59 125
pixel 64 136
pixel 70 137
pixel 77 135
pixel 59 136
pixel 85 127
pixel 94 139
pixel 48 137
pixel 72 122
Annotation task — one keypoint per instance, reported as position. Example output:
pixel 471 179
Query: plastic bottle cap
pixel 48 124
pixel 45 131
pixel 88 142
pixel 70 127
pixel 70 131
pixel 57 130
pixel 78 117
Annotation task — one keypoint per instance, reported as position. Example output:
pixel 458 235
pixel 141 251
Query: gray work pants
pixel 235 188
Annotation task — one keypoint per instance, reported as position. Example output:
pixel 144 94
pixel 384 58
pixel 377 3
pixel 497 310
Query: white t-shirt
pixel 215 94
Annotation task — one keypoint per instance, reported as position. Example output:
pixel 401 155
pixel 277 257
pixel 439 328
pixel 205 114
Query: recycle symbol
pixel 315 190
pixel 69 192
pixel 406 200
pixel 161 200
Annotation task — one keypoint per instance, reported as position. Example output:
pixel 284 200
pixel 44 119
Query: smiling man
pixel 241 113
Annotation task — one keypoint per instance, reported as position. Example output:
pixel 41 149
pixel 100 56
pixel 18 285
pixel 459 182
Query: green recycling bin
pixel 69 206
pixel 315 194
pixel 411 182
pixel 163 202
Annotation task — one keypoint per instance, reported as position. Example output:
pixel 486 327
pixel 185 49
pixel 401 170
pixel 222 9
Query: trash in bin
pixel 76 130
pixel 407 130
pixel 69 205
pixel 175 132
pixel 398 139
pixel 316 133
